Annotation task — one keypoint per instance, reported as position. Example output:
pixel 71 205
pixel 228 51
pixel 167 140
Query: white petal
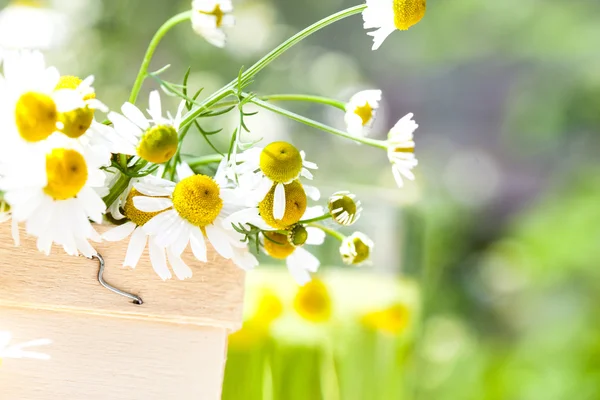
pixel 315 236
pixel 184 171
pixel 244 259
pixel 135 115
pixel 279 201
pixel 312 192
pixel 155 110
pixel 158 224
pixel 300 275
pixel 198 245
pixel 120 232
pixel 219 240
pixel 136 246
pixel 181 269
pixel 151 204
pixel 159 260
pixel 304 259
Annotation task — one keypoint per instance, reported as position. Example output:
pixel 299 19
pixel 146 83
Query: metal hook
pixel 136 299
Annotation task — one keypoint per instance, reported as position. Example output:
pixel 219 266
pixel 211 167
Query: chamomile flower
pixel 192 212
pixel 344 208
pixel 289 247
pixel 209 17
pixel 277 166
pixel 356 248
pixel 389 15
pixel 361 110
pixel 29 109
pixel 260 213
pixel 139 238
pixel 401 147
pixel 18 350
pixel 78 104
pixel 154 139
pixel 54 194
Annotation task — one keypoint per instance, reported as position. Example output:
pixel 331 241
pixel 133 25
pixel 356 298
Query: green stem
pixel 266 60
pixel 204 160
pixel 318 125
pixel 329 231
pixel 162 31
pixel 307 98
pixel 119 187
pixel 317 219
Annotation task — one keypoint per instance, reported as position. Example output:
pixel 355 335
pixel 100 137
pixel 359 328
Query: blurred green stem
pixel 199 161
pixel 307 121
pixel 266 60
pixel 316 219
pixel 329 231
pixel 162 31
pixel 306 98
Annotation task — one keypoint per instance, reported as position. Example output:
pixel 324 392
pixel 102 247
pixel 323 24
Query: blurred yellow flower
pixel 269 307
pixel 256 329
pixel 313 301
pixel 392 320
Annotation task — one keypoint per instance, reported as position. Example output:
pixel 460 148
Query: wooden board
pixel 105 347
pixel 29 279
pixel 102 358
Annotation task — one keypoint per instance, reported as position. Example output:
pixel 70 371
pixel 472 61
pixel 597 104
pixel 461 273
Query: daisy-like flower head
pixel 392 320
pixel 389 15
pixel 191 212
pixel 356 248
pixel 78 104
pixel 361 110
pixel 401 148
pixel 210 17
pixel 154 139
pixel 29 109
pixel 55 194
pixel 139 238
pixel 299 261
pixel 344 208
pixel 313 302
pixel 277 168
pixel 18 350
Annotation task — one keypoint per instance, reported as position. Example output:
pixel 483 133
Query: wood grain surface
pixel 101 358
pixel 32 280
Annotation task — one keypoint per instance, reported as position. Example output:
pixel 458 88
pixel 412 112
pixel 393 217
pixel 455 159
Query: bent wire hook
pixel 136 299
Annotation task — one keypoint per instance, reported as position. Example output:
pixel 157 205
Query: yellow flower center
pixel 217 13
pixel 408 12
pixel 197 199
pixel 362 251
pixel 277 246
pixel 392 320
pixel 365 113
pixel 313 302
pixel 35 116
pixel 298 235
pixel 280 162
pixel 67 173
pixel 72 82
pixel 341 204
pixel 76 122
pixel 133 214
pixel 158 144
pixel 295 206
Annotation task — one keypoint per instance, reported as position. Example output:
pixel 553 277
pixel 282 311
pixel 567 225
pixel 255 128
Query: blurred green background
pixel 485 282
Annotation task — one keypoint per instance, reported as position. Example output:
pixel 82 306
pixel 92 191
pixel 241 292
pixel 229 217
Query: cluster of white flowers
pixel 63 173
